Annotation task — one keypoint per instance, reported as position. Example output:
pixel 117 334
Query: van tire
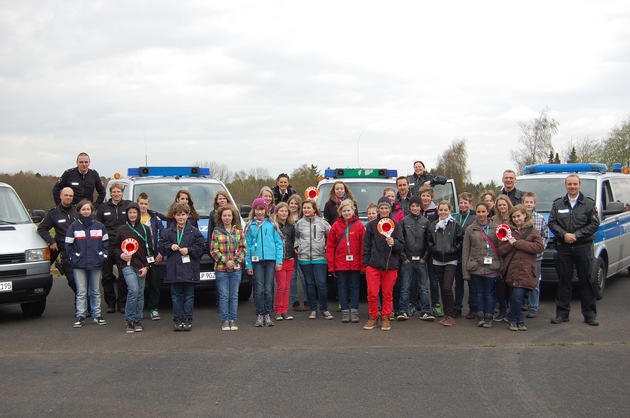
pixel 600 278
pixel 34 308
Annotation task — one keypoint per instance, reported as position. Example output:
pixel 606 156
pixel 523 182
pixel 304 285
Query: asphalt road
pixel 314 368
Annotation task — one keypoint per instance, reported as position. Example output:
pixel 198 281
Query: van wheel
pixel 600 278
pixel 34 308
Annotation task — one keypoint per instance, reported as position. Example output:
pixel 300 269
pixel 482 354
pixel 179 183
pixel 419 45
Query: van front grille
pixel 12 258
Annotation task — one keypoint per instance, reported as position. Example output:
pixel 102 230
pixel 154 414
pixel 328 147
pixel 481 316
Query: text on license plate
pixel 8 286
pixel 206 275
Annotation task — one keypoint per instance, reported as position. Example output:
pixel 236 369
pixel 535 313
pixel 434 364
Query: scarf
pixel 441 224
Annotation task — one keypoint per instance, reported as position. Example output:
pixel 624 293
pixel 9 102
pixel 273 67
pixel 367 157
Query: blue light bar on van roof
pixel 565 168
pixel 340 173
pixel 168 171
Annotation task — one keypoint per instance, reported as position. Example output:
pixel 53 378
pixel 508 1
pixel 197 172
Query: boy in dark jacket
pixel 152 220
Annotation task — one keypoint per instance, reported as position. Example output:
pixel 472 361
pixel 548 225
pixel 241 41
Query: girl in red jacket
pixel 344 250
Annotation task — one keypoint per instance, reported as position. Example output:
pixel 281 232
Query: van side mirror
pixel 614 208
pixel 37 215
pixel 245 211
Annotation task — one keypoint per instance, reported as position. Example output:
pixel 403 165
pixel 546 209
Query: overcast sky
pixel 276 84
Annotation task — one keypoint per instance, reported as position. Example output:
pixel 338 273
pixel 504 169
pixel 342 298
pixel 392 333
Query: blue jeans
pixel 183 299
pixel 227 288
pixel 315 276
pixel 264 280
pixel 485 293
pixel 348 282
pixel 84 280
pixel 408 272
pixel 534 295
pixel 297 275
pixel 516 302
pixel 135 294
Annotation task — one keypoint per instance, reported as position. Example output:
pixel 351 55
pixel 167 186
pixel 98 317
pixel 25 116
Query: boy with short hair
pixel 466 217
pixel 153 221
pixel 372 212
pixel 529 202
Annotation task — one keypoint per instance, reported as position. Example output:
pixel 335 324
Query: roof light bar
pixel 340 173
pixel 168 171
pixel 565 168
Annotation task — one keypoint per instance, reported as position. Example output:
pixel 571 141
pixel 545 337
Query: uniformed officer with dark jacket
pixel 573 220
pixel 83 181
pixel 60 219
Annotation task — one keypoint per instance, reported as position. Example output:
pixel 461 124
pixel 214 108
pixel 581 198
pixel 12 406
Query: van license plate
pixel 206 275
pixel 8 286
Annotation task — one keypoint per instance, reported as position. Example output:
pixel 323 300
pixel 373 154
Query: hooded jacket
pixel 310 238
pixel 87 243
pixel 340 245
pixel 263 241
pixel 176 270
pixel 521 271
pixel 475 248
pixel 141 234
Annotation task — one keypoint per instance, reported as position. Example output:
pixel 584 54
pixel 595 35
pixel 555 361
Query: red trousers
pixel 283 285
pixel 377 280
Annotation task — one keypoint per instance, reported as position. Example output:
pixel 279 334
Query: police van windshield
pixel 11 208
pixel 549 189
pixel 162 195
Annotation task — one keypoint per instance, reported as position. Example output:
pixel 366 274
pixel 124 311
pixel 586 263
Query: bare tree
pixel 535 140
pixel 217 170
pixel 587 150
pixel 452 163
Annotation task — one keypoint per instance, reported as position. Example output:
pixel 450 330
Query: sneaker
pixel 442 321
pixel 79 322
pixel 178 325
pixel 426 317
pixel 233 326
pixel 522 327
pixel 403 316
pixel 499 318
pixel 188 325
pixel 393 315
pixel 449 321
pixel 313 315
pixel 470 314
pixel 129 329
pixel 338 306
pixel 327 315
pixel 137 326
pixel 99 321
pixel 371 323
pixel 525 307
pixel 385 324
pixel 155 315
pixel 413 311
pixel 279 317
pixel 513 326
pixel 260 321
pixel 531 314
pixel 354 316
pixel 286 317
pixel 437 311
pixel 268 321
pixel 345 316
pixel 225 326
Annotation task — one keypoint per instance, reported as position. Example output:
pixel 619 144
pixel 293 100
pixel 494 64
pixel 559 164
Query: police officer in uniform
pixel 60 219
pixel 83 181
pixel 573 220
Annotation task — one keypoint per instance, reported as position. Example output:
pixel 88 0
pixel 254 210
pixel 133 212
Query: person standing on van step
pixel 509 188
pixel 573 220
pixel 113 214
pixel 82 180
pixel 282 191
pixel 60 218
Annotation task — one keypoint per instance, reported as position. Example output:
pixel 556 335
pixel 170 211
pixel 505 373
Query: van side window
pixel 621 190
pixel 606 194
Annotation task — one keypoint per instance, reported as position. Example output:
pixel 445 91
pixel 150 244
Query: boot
pixel 385 324
pixel 371 323
pixel 480 320
pixel 488 322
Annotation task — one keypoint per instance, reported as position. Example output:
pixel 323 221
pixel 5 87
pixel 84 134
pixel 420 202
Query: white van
pixel 25 276
pixel 611 193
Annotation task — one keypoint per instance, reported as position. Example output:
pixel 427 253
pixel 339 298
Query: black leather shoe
pixel 591 321
pixel 559 320
pixel 111 309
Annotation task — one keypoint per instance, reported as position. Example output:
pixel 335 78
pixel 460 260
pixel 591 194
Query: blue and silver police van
pixel 161 184
pixel 611 193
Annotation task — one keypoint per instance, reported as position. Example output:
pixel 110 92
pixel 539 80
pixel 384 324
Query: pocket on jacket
pixel 472 264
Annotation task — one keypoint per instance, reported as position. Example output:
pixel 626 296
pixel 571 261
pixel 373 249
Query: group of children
pixel 413 251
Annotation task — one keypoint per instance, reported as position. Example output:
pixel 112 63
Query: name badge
pixel 237 267
pixel 74 183
pixel 563 211
pixel 150 260
pixel 185 259
pixel 487 260
pixel 349 258
pixel 415 258
pixel 255 259
pixel 60 221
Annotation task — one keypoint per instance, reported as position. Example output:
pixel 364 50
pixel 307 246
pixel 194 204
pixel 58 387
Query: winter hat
pixel 259 201
pixel 416 200
pixel 384 201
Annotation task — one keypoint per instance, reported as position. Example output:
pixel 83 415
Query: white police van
pixel 611 193
pixel 367 186
pixel 161 184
